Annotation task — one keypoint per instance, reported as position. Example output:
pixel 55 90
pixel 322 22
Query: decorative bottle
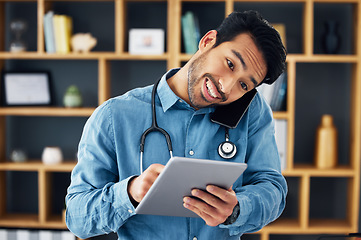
pixel 326 144
pixel 331 39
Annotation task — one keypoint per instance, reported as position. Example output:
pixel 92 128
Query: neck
pixel 179 84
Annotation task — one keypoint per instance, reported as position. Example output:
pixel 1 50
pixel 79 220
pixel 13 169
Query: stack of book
pixel 191 34
pixel 57 31
pixel 275 94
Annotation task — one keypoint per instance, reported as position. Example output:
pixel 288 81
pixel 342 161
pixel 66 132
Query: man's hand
pixel 139 186
pixel 214 205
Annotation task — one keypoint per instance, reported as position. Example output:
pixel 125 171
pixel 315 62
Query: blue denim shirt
pixel 97 200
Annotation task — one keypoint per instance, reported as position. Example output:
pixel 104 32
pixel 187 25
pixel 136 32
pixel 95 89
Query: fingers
pixel 139 186
pixel 214 205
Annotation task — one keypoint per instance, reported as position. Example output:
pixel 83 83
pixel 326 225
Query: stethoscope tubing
pixel 226 150
pixel 154 128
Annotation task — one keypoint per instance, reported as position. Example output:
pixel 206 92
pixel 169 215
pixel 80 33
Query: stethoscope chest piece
pixel 227 149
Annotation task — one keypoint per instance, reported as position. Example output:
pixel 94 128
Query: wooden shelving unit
pixel 302 224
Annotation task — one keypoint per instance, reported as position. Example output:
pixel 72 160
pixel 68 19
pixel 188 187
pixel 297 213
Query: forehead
pixel 245 47
pixel 241 43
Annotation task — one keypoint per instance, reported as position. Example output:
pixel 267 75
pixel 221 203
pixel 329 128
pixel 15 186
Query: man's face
pixel 225 73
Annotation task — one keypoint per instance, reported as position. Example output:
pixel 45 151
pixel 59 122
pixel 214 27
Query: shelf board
pixel 81 56
pixel 66 166
pixel 46 111
pixel 327 58
pixel 329 226
pixel 319 226
pixel 309 170
pixel 19 220
pixel 282 225
pixel 31 221
pixel 322 58
pixel 281 115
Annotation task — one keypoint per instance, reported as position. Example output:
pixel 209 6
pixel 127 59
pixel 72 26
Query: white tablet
pixel 179 177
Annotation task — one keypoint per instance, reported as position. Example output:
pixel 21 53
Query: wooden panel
pixel 229 7
pixel 120 26
pixel 103 80
pixel 291 104
pixel 304 201
pixel 308 27
pixel 41 41
pixel 174 13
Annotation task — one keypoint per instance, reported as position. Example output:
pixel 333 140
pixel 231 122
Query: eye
pixel 230 64
pixel 244 86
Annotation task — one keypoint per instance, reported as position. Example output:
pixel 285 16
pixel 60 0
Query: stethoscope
pixel 226 149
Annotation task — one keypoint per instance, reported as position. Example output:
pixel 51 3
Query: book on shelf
pixel 281 140
pixel 49 32
pixel 275 94
pixel 58 30
pixel 191 33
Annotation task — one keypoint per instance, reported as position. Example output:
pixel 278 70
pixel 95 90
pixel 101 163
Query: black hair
pixel 266 38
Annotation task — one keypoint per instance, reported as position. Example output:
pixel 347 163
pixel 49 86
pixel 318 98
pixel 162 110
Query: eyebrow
pixel 239 56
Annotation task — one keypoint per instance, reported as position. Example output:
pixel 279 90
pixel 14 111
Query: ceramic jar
pixel 52 155
pixel 72 97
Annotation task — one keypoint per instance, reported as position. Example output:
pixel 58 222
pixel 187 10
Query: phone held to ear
pixel 229 115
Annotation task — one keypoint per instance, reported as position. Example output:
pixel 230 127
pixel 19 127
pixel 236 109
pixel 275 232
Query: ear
pixel 208 40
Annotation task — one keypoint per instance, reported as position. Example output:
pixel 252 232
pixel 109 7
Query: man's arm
pixel 97 200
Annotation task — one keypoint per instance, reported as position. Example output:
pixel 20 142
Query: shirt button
pixel 180 101
pixel 195 238
pixel 191 152
pixel 130 211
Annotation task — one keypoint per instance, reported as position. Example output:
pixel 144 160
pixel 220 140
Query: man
pixel 107 185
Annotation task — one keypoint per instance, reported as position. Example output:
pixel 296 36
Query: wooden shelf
pixel 46 111
pixel 318 58
pixel 309 170
pixel 81 56
pixel 31 221
pixel 283 226
pixel 66 166
pixel 174 57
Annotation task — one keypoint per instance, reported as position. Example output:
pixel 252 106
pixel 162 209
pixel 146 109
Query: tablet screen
pixel 179 177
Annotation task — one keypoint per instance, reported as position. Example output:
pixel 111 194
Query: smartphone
pixel 229 115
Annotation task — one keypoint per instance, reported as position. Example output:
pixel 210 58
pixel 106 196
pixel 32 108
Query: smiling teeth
pixel 210 90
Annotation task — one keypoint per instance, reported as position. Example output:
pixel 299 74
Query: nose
pixel 226 85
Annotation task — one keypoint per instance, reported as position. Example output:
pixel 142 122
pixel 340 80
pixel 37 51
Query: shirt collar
pixel 167 97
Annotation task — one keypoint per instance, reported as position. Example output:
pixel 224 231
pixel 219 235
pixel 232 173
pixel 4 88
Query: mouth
pixel 211 92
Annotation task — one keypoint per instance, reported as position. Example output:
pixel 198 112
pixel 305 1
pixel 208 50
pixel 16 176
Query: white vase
pixel 52 155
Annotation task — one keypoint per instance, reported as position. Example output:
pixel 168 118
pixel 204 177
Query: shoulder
pixel 260 113
pixel 259 106
pixel 128 99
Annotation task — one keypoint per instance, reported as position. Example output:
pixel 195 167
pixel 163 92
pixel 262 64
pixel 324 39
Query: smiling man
pixel 107 185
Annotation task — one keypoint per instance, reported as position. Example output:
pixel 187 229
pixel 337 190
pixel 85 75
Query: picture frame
pixel 26 89
pixel 144 41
